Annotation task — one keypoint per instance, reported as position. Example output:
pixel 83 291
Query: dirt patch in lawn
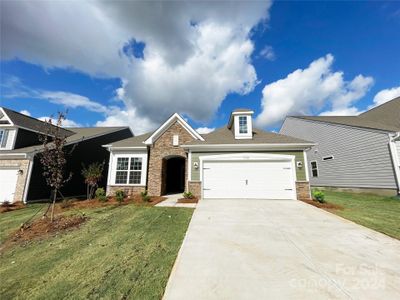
pixel 326 205
pixel 6 207
pixel 185 200
pixel 43 228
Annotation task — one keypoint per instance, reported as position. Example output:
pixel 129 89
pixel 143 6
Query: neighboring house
pixel 354 151
pixel 236 161
pixel 20 169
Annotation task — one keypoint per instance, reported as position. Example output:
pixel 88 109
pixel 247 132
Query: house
pixel 20 169
pixel 235 161
pixel 358 152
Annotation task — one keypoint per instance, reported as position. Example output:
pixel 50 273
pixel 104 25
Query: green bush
pixel 318 195
pixel 119 195
pixel 101 195
pixel 65 203
pixel 188 195
pixel 145 196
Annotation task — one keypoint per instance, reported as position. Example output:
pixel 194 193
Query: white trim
pixel 265 146
pixel 7 117
pixel 24 155
pixel 167 124
pixel 189 166
pixel 395 158
pixel 250 157
pixel 28 181
pixel 127 147
pixel 130 155
pixel 306 165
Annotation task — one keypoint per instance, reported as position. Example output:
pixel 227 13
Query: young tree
pixel 93 174
pixel 54 158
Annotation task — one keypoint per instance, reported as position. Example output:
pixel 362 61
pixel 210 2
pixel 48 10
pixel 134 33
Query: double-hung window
pixel 128 170
pixel 314 169
pixel 242 124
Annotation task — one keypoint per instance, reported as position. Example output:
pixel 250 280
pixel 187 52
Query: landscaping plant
pixel 318 195
pixel 145 196
pixel 54 158
pixel 93 174
pixel 188 195
pixel 119 196
pixel 101 195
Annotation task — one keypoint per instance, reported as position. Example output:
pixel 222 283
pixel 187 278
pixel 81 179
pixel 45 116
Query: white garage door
pixel 248 179
pixel 8 183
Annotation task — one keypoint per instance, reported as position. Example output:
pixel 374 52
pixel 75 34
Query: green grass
pixel 376 212
pixel 124 252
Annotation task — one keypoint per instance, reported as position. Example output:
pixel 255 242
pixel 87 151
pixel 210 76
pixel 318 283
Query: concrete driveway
pixel 263 249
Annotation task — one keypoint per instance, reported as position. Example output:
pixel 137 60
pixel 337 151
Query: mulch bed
pixel 326 205
pixel 43 228
pixel 185 200
pixel 11 207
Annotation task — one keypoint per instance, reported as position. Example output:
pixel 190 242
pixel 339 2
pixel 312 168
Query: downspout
pixel 395 158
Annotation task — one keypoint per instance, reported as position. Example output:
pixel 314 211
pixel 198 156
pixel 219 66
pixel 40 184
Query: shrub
pixel 101 195
pixel 119 195
pixel 319 196
pixel 188 195
pixel 145 196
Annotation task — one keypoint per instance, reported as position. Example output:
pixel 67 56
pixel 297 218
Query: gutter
pixel 300 146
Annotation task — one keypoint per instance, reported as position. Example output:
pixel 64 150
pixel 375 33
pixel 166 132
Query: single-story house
pixel 20 169
pixel 357 152
pixel 235 161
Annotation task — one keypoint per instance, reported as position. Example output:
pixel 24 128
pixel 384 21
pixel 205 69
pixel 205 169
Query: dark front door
pixel 175 179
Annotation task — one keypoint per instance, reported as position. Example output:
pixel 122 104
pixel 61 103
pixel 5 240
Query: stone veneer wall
pixel 195 188
pixel 303 190
pixel 20 164
pixel 161 149
pixel 129 190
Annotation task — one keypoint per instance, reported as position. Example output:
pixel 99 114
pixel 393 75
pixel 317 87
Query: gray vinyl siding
pixel 300 172
pixel 361 157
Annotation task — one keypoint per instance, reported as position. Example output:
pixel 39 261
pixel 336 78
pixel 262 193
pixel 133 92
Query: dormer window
pixel 240 123
pixel 243 124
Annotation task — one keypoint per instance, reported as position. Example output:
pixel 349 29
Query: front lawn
pixel 376 212
pixel 121 252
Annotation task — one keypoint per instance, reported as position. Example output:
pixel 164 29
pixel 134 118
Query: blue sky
pixel 202 62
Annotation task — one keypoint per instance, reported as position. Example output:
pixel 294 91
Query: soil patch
pixel 185 200
pixel 326 205
pixel 43 228
pixel 11 207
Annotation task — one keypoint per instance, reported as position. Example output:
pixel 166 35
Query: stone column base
pixel 128 190
pixel 303 191
pixel 195 188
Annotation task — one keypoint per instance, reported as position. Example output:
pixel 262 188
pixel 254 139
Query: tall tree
pixel 54 158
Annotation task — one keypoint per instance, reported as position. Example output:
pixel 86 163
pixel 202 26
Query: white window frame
pixel 130 156
pixel 3 132
pixel 249 133
pixel 316 168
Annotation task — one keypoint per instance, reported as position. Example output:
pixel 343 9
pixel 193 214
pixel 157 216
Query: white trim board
pixel 167 124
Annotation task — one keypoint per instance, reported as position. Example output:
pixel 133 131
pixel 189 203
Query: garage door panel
pixel 248 179
pixel 8 183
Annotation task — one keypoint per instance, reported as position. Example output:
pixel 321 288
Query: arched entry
pixel 173 175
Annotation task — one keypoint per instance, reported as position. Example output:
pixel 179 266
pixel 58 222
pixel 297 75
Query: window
pixel 242 124
pixel 3 138
pixel 175 140
pixel 314 169
pixel 328 157
pixel 128 170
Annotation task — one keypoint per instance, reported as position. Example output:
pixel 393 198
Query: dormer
pixel 241 123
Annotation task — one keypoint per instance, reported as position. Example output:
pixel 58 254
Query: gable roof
pixel 224 136
pixel 79 134
pixel 29 123
pixel 132 142
pixel 385 117
pixel 175 117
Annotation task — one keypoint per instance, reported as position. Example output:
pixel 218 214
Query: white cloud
pixel 195 53
pixel 25 112
pixel 309 91
pixel 385 96
pixel 137 123
pixel 205 130
pixel 268 53
pixel 65 123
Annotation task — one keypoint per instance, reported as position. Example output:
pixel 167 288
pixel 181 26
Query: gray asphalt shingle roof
pixel 384 117
pixel 135 141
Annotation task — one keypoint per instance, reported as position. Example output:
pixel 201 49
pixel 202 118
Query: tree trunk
pixel 53 205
